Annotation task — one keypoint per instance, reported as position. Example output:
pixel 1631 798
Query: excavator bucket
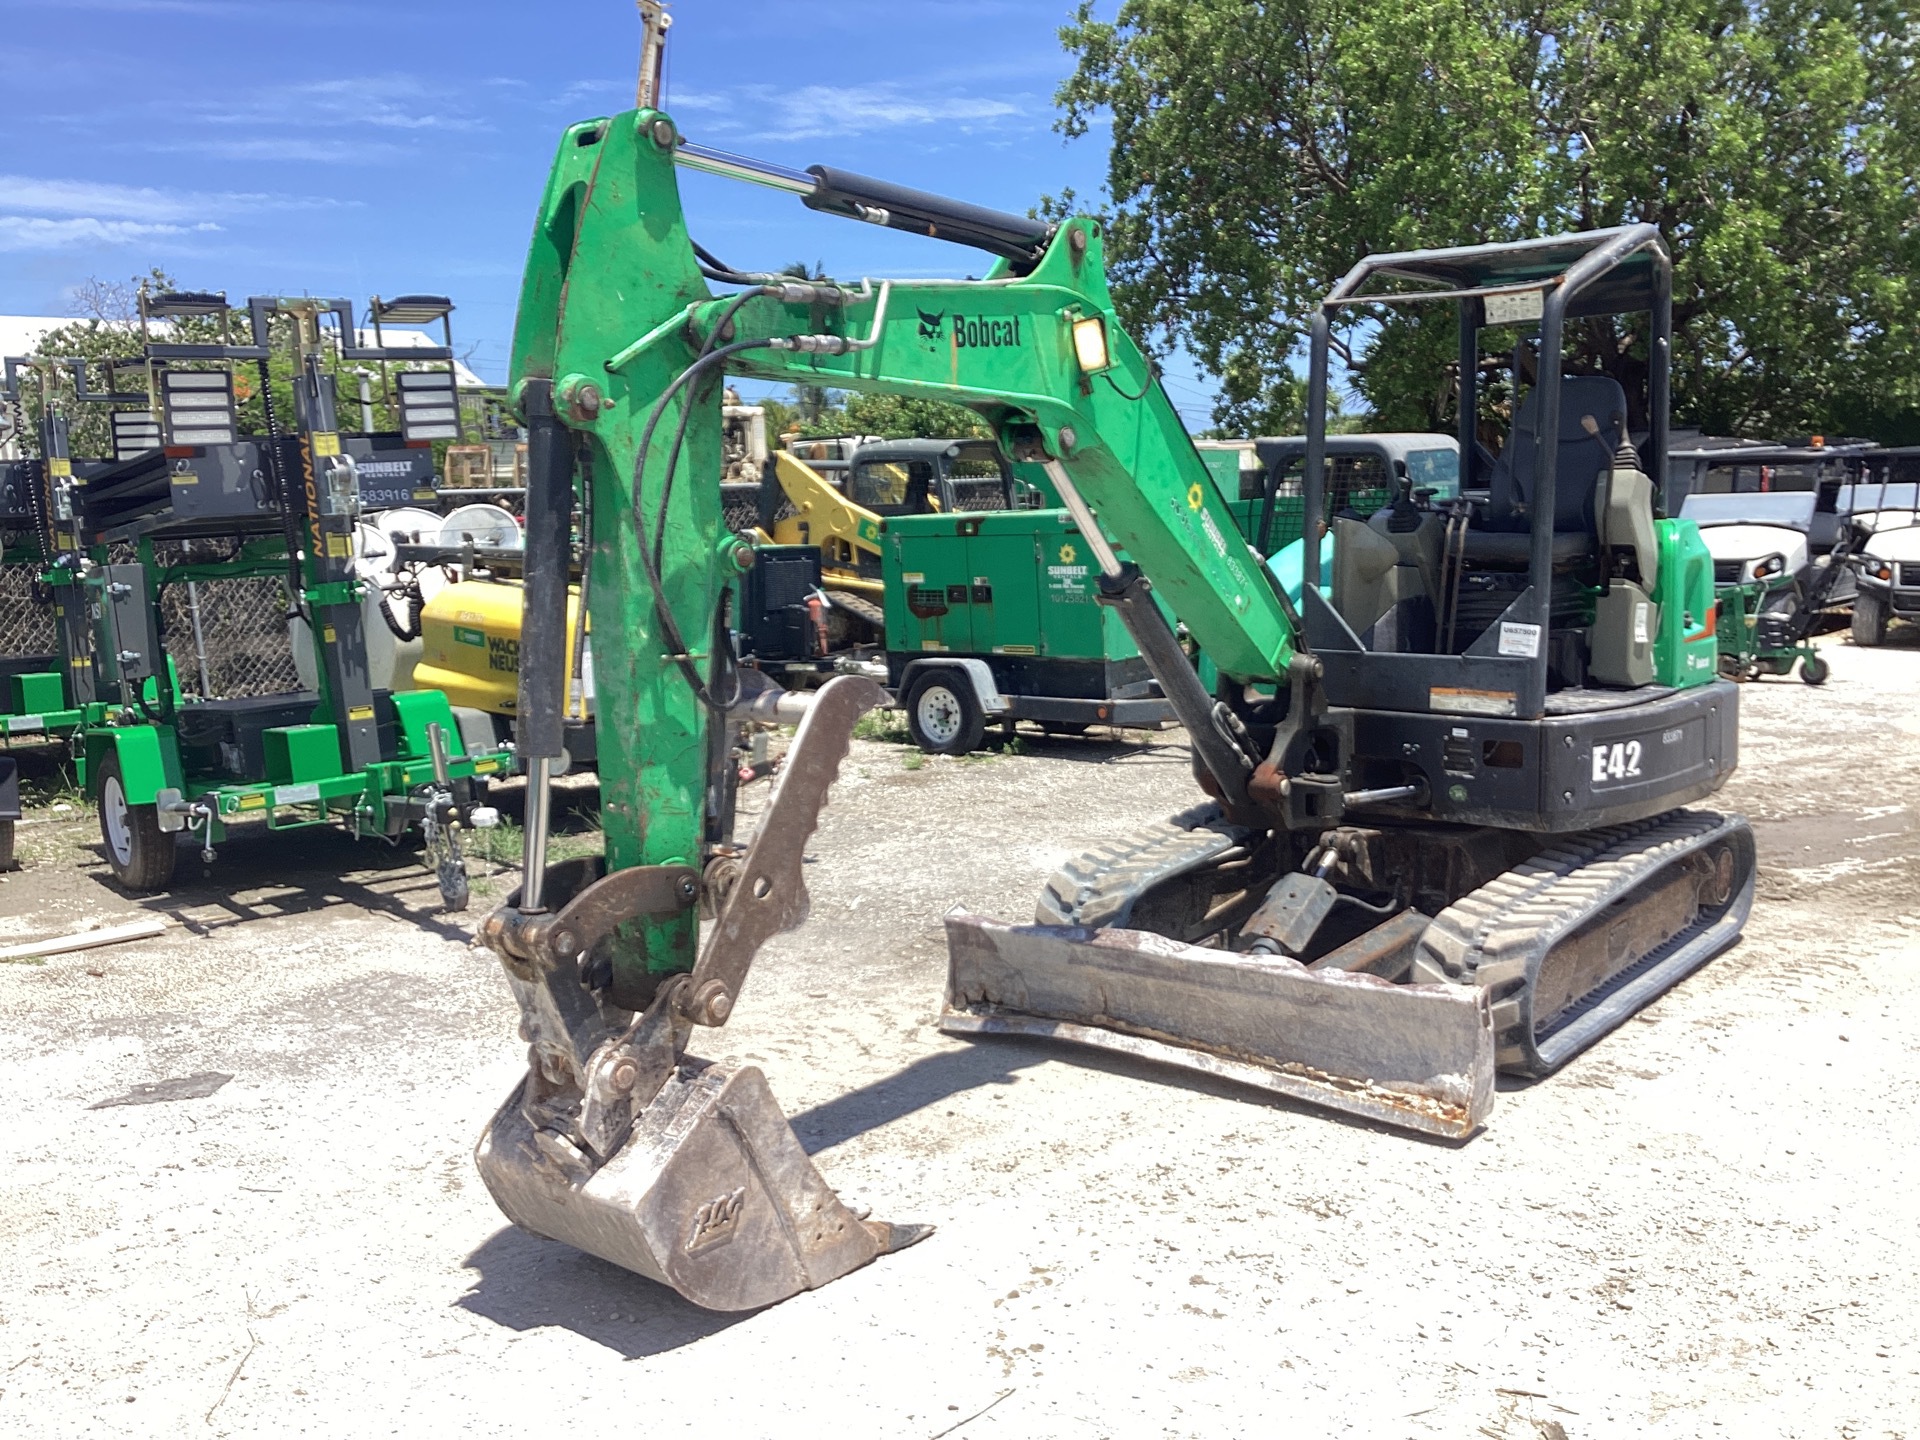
pixel 1418 1057
pixel 620 1143
pixel 711 1194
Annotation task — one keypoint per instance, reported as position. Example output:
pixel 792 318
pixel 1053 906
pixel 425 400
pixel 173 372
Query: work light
pixel 1090 343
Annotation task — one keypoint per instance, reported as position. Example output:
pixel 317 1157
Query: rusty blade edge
pixel 1402 1110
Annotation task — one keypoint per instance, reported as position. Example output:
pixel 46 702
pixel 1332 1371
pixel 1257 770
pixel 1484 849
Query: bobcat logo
pixel 930 324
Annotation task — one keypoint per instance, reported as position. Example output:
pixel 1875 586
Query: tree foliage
pixel 1259 149
pixel 891 417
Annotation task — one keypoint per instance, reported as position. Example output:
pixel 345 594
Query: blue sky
pixel 307 146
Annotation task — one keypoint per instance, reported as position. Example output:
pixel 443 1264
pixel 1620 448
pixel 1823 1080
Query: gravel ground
pixel 1704 1226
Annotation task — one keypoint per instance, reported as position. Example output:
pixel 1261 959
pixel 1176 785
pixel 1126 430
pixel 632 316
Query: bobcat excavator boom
pixel 619 1141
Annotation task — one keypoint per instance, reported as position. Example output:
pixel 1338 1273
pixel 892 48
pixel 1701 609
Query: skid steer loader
pixel 1440 833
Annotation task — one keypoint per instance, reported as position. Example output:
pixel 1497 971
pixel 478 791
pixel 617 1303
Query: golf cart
pixel 1886 513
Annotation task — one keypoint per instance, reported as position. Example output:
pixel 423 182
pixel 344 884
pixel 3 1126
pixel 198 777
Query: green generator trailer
pixel 993 617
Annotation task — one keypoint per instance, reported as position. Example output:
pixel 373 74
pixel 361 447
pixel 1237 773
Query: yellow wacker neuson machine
pixel 1441 829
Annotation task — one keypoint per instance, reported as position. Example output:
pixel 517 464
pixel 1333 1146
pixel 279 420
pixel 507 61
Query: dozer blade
pixel 710 1194
pixel 1418 1057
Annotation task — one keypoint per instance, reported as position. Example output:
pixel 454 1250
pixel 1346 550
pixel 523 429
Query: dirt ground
pixel 1705 1226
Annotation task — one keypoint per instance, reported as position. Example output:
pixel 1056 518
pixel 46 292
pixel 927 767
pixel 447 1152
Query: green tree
pixel 906 417
pixel 1259 149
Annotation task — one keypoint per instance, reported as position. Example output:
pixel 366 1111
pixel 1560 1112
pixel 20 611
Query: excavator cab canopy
pixel 1485 602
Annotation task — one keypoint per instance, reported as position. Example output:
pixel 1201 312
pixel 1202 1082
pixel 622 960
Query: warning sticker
pixel 326 442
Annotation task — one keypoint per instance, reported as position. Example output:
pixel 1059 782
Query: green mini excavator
pixel 1440 832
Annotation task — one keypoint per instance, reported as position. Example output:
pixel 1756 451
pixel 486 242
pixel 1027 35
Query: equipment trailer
pixel 1440 832
pixel 286 506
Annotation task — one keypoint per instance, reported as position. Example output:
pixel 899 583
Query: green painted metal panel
pixel 1686 650
pixel 1003 575
pixel 416 710
pixel 35 694
pixel 1038 572
pixel 148 754
pixel 928 601
pixel 301 752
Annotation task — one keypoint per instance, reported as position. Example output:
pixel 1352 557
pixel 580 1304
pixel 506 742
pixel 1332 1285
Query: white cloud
pixel 34 196
pixel 35 232
pixel 288 148
pixel 818 111
pixel 39 214
pixel 23 193
pixel 382 102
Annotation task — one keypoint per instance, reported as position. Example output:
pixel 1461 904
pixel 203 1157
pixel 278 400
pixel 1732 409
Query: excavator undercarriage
pixel 1402 1019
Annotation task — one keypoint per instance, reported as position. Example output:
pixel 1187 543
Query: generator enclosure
pixel 470 646
pixel 1016 588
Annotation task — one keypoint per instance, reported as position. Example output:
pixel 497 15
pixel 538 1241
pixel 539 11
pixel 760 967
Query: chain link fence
pixel 26 623
pixel 227 638
pixel 241 634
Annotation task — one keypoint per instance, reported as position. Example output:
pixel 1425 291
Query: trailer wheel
pixel 139 852
pixel 943 714
pixel 1869 619
pixel 1814 670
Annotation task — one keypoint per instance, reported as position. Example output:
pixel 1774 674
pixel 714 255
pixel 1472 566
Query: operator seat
pixel 1580 461
pixel 1580 457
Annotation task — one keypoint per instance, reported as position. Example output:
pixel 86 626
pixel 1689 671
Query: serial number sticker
pixel 1642 624
pixel 1450 700
pixel 326 442
pixel 1618 761
pixel 913 577
pixel 297 794
pixel 18 723
pixel 1520 640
